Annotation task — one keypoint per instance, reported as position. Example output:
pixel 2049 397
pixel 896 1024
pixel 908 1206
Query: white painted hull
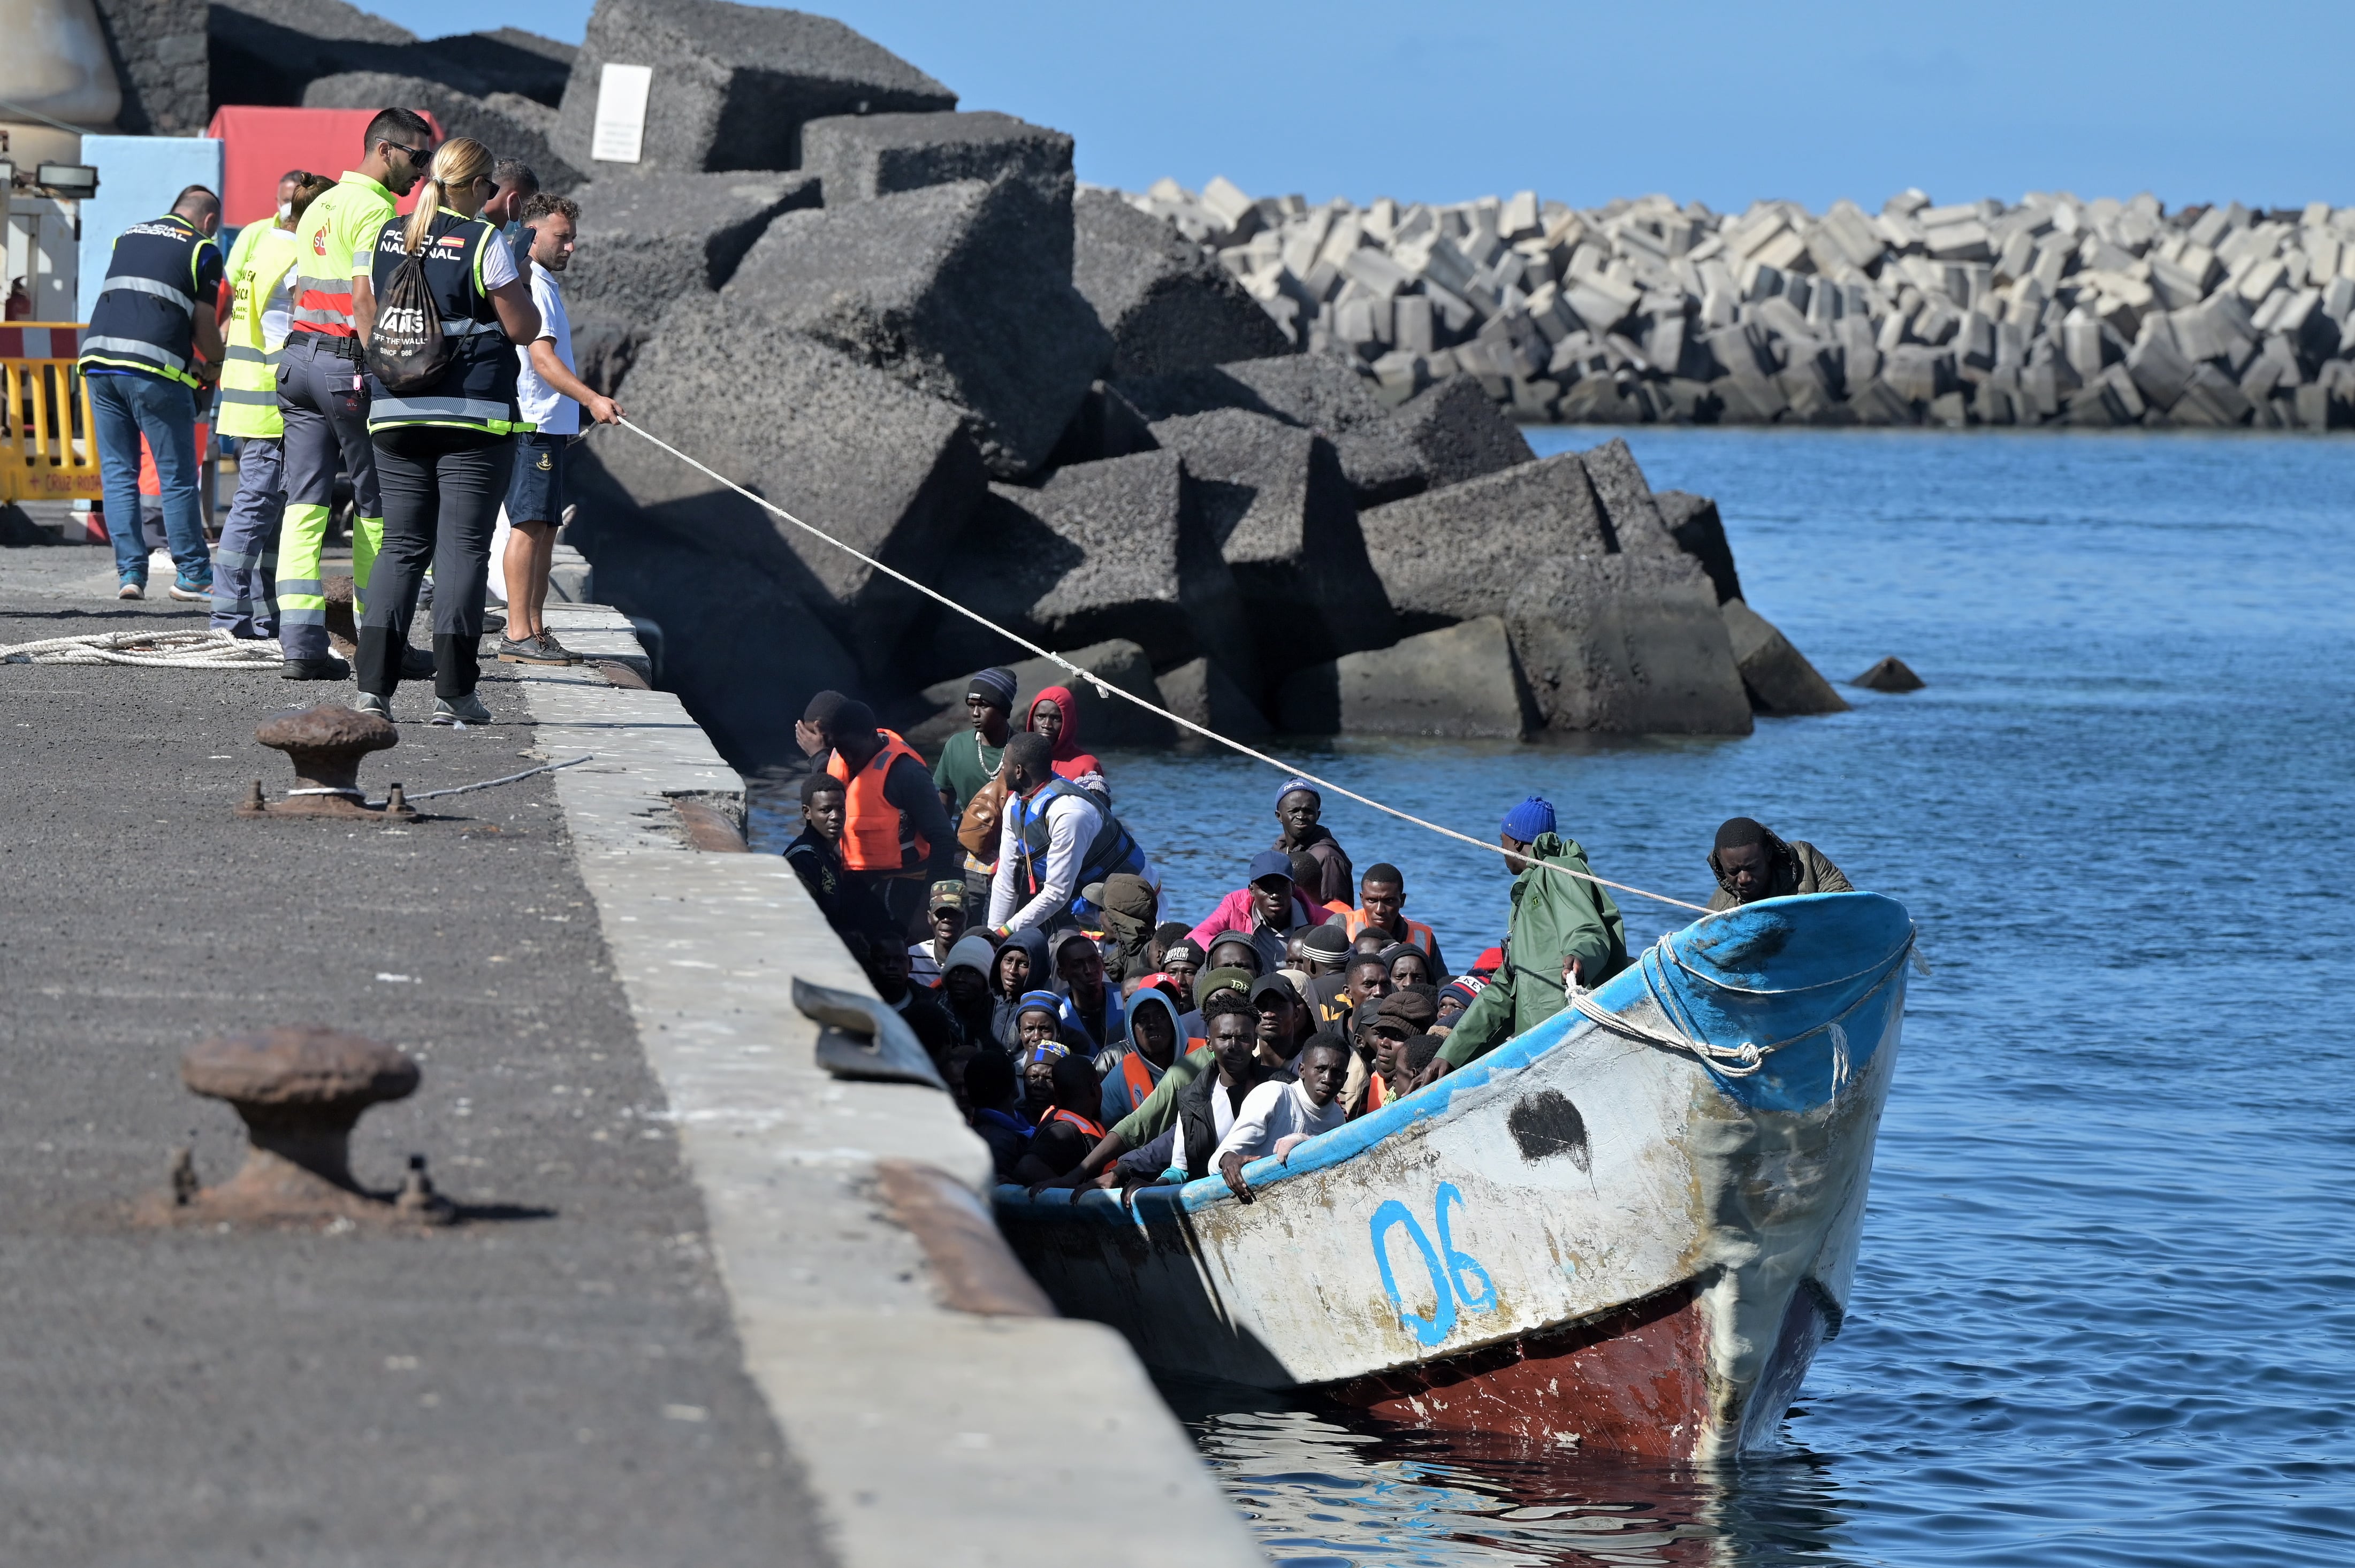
pixel 1583 1238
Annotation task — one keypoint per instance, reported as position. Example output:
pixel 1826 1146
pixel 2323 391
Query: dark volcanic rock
pixel 1167 305
pixel 1100 549
pixel 1891 674
pixel 734 84
pixel 1461 681
pixel 162 53
pixel 1454 554
pixel 272 51
pixel 861 156
pixel 961 291
pixel 1458 432
pixel 510 125
pixel 1201 690
pixel 1313 391
pixel 1274 498
pixel 646 238
pixel 851 451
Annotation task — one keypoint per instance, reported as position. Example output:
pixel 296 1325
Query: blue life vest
pixel 477 390
pixel 1113 851
pixel 144 319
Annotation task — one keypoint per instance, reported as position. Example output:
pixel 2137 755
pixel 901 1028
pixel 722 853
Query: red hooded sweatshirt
pixel 1070 762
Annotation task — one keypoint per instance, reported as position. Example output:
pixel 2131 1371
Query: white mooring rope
pixel 1107 689
pixel 205 650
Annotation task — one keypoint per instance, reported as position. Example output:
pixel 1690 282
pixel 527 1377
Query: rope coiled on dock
pixel 205 650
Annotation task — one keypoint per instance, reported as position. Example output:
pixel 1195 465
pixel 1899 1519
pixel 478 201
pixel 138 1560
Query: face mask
pixel 285 211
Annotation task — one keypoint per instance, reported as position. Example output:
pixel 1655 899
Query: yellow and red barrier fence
pixel 49 450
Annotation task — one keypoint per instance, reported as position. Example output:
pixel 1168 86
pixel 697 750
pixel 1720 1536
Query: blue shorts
pixel 535 493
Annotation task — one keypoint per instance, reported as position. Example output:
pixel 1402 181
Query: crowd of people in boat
pixel 999 904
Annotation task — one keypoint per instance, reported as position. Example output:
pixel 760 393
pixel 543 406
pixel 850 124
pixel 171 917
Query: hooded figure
pixel 1751 863
pixel 1128 1069
pixel 1006 999
pixel 1070 761
pixel 972 1009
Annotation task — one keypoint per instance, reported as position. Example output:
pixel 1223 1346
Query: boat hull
pixel 1595 1236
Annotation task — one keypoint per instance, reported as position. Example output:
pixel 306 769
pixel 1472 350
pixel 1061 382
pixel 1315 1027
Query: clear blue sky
pixel 1701 98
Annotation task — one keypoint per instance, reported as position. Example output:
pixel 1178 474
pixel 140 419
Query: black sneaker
pixel 325 669
pixel 416 664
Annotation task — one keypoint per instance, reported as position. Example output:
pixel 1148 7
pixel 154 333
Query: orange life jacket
pixel 1138 1075
pixel 1094 1130
pixel 1417 933
pixel 1375 1097
pixel 875 836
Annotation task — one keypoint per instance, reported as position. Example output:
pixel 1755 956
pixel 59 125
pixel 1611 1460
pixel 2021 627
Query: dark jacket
pixel 1193 1137
pixel 1337 880
pixel 845 901
pixel 1799 867
pixel 1007 1138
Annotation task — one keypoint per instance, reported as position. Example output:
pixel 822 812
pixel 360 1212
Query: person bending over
pixel 1057 839
pixel 1751 863
pixel 1277 1118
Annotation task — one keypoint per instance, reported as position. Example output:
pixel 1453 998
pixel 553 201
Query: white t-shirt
pixel 1272 1113
pixel 549 410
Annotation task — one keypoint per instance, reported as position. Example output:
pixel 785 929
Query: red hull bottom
pixel 1633 1381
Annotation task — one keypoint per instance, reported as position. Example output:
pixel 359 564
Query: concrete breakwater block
pixel 1461 681
pixel 509 125
pixel 733 85
pixel 1891 675
pixel 1310 392
pixel 273 51
pixel 1274 498
pixel 1098 549
pixel 1201 690
pixel 1454 554
pixel 961 291
pixel 1780 680
pixel 1693 522
pixel 1166 304
pixel 1457 433
pixel 646 238
pixel 859 157
pixel 885 468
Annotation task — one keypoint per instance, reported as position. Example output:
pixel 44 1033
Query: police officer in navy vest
pixel 154 344
pixel 444 452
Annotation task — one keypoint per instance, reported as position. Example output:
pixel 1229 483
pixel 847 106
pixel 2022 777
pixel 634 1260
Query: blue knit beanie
pixel 1532 818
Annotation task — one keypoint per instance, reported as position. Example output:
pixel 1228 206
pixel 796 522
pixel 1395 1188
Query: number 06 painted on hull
pixel 1448 1267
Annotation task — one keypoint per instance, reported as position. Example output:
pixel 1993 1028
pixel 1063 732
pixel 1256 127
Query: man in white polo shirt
pixel 553 398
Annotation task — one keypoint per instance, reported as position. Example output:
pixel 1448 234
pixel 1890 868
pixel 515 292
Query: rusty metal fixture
pixel 972 1266
pixel 325 745
pixel 709 828
pixel 299 1091
pixel 617 674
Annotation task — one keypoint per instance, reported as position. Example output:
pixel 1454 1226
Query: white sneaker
pixel 468 709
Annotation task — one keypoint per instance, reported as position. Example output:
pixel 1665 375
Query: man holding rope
pixel 1562 927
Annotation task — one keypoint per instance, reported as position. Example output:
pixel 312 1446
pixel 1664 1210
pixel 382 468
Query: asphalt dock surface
pixel 556 1384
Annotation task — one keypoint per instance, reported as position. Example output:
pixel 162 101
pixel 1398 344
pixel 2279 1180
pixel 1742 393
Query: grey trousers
pixel 326 412
pixel 245 562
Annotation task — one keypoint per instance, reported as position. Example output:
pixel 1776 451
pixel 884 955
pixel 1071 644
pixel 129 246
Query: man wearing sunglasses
pixel 323 395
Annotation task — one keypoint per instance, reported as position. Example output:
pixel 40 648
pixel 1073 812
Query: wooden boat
pixel 1629 1228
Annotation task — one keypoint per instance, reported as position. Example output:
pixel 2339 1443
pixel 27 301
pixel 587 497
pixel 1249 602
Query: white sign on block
pixel 620 113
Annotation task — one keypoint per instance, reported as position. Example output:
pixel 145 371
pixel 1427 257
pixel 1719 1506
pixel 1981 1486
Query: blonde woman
pixel 443 454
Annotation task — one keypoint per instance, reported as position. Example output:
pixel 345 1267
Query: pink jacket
pixel 1234 914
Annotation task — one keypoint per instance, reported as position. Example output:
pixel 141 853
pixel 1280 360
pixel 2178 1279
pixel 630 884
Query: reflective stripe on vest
pixel 1417 933
pixel 1113 849
pixel 145 316
pixel 876 837
pixel 1093 1128
pixel 477 390
pixel 335 228
pixel 257 267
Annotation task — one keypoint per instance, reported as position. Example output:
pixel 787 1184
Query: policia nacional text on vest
pixel 144 319
pixel 323 399
pixel 477 389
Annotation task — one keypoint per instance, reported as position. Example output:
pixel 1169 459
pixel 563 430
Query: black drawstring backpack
pixel 408 352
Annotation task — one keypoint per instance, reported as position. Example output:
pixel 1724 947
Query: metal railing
pixel 47 451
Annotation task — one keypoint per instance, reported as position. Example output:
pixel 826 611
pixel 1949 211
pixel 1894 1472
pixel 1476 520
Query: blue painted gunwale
pixel 1857 942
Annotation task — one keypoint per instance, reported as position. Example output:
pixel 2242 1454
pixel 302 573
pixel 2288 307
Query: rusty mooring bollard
pixel 325 745
pixel 299 1091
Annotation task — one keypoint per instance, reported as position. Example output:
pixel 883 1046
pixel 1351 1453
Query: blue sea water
pixel 2105 1310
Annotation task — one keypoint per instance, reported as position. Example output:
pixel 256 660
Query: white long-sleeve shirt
pixel 1073 823
pixel 1272 1113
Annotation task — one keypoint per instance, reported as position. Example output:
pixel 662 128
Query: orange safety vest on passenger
pixel 1375 1099
pixel 875 837
pixel 1094 1130
pixel 1416 931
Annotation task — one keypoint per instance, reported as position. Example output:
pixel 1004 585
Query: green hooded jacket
pixel 1554 917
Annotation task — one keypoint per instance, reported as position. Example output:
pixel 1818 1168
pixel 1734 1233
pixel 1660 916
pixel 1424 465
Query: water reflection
pixel 1325 1485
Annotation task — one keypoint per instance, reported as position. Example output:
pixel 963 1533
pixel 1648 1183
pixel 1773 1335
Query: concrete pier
pixel 704 1310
